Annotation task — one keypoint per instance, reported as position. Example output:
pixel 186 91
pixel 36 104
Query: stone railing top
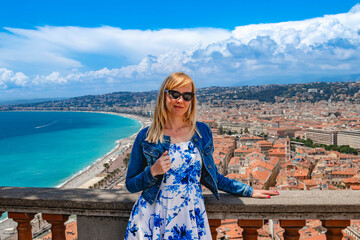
pixel 343 204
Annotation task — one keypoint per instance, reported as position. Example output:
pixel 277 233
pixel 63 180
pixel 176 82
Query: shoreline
pixel 88 173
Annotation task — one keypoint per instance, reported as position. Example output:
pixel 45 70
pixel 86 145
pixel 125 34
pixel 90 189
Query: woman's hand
pixel 264 193
pixel 162 165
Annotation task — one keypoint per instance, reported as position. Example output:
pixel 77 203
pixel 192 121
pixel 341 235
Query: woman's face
pixel 178 107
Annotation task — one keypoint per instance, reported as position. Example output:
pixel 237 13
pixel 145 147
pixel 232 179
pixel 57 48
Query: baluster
pixel 214 224
pixel 57 222
pixel 292 228
pixel 24 227
pixel 334 228
pixel 250 228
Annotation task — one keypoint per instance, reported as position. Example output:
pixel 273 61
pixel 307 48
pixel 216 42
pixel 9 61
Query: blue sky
pixel 72 48
pixel 157 14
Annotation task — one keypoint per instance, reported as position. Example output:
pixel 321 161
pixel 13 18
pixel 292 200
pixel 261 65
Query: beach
pixel 88 176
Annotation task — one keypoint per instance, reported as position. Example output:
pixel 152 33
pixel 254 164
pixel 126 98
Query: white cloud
pixel 9 78
pixel 318 47
pixel 307 32
pixel 61 48
pixel 53 78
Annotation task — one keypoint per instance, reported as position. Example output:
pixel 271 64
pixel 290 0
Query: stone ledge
pixel 344 204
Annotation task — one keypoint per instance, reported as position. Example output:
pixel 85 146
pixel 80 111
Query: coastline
pixel 90 172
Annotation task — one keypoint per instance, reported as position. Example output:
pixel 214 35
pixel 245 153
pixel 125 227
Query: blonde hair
pixel 174 80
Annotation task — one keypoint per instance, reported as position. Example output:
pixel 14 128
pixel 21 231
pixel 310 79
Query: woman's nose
pixel 180 99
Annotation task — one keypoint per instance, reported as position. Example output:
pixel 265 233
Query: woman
pixel 168 162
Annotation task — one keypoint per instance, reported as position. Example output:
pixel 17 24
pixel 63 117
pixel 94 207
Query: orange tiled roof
pixel 234 161
pixel 264 142
pixel 262 164
pixel 347 171
pixel 237 176
pixel 250 150
pixel 301 173
pixel 251 138
pixel 279 145
pixel 348 156
pixel 310 182
pixel 231 229
pixel 273 160
pixel 276 152
pixel 217 160
pixel 351 180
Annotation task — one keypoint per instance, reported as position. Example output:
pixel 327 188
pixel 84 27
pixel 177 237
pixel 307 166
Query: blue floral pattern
pixel 179 211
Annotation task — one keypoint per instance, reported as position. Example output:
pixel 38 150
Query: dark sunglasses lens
pixel 187 96
pixel 174 94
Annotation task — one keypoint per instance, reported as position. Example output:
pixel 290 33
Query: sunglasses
pixel 187 96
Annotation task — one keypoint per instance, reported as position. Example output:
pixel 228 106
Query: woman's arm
pixel 239 188
pixel 233 186
pixel 224 183
pixel 138 176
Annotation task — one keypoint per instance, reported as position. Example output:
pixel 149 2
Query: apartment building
pixel 282 132
pixel 322 136
pixel 351 138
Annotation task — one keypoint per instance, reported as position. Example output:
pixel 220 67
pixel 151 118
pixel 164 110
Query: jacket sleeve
pixel 138 176
pixel 231 185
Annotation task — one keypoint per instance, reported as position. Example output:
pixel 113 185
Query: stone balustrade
pixel 103 214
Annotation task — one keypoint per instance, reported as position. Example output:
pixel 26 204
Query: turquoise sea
pixel 44 149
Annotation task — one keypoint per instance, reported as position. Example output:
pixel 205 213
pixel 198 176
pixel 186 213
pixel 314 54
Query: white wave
pixel 46 125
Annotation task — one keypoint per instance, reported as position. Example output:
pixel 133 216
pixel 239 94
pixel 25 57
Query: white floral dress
pixel 179 211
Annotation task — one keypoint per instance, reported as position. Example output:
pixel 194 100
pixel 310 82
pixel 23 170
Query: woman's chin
pixel 178 112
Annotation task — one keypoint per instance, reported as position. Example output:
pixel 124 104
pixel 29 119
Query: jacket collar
pixel 196 129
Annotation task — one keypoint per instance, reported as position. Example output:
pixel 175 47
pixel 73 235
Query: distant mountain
pixel 215 96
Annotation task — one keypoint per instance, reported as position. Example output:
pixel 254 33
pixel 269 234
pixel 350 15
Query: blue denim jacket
pixel 145 154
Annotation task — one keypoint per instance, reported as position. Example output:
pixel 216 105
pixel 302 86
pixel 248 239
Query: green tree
pixel 246 130
pixel 221 130
pixel 126 160
pixel 106 166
